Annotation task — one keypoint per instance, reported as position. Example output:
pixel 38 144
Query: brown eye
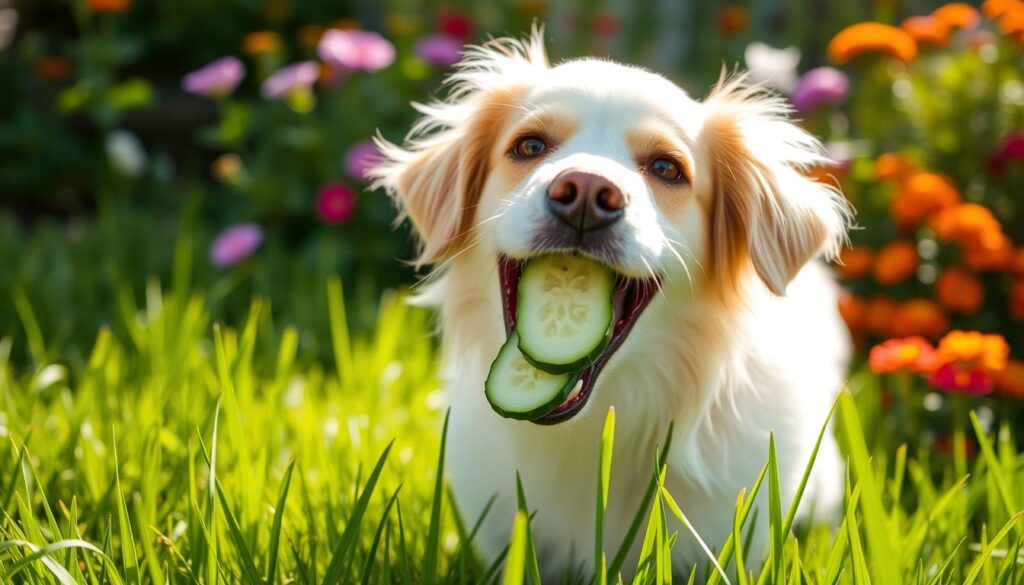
pixel 529 147
pixel 667 170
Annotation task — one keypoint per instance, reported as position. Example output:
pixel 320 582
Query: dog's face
pixel 680 198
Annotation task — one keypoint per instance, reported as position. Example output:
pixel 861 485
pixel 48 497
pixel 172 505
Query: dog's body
pixel 718 351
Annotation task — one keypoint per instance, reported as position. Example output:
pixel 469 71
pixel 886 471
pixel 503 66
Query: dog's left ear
pixel 762 205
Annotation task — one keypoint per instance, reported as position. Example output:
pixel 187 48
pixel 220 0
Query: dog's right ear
pixel 437 176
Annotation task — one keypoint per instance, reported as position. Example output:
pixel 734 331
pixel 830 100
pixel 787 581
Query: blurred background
pixel 219 146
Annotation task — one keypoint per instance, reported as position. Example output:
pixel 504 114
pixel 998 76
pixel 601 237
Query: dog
pixel 703 208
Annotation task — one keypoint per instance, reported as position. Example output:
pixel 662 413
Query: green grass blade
pixel 515 563
pixel 995 470
pixel 129 556
pixel 245 558
pixel 775 528
pixel 371 555
pixel 794 504
pixel 986 553
pixel 603 481
pixel 341 557
pixel 275 530
pixel 670 501
pixel 433 551
pixel 532 566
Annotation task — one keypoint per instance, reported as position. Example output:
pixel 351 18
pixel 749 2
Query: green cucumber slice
pixel 564 315
pixel 518 390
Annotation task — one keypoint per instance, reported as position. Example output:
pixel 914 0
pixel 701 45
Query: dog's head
pixel 619 164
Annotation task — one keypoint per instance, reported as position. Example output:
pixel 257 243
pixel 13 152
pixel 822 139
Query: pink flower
pixel 440 50
pixel 824 85
pixel 295 77
pixel 236 243
pixel 1011 148
pixel 360 158
pixel 356 49
pixel 949 377
pixel 219 78
pixel 335 203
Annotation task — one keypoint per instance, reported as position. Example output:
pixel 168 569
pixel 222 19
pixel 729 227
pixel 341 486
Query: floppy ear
pixel 436 177
pixel 762 205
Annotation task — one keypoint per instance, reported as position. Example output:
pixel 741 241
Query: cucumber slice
pixel 518 390
pixel 565 312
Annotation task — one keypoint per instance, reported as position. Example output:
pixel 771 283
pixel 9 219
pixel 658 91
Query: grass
pixel 181 451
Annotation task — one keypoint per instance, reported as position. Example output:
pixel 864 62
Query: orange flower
pixel 879 313
pixel 856 261
pixel 993 252
pixel 853 311
pixel 958 15
pixel 970 225
pixel 919 317
pixel 959 291
pixel 1011 380
pixel 261 41
pixel 913 354
pixel 997 8
pixel 973 349
pixel 1017 266
pixel 896 262
pixel 868 37
pixel 1017 300
pixel 921 195
pixel 926 30
pixel 732 20
pixel 892 166
pixel 109 5
pixel 53 68
pixel 1012 24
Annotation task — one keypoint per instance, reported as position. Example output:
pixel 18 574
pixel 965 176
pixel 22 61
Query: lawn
pixel 187 451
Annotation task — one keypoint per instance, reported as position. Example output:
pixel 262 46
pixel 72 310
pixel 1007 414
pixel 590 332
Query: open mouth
pixel 630 299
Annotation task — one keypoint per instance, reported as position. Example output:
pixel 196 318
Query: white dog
pixel 727 327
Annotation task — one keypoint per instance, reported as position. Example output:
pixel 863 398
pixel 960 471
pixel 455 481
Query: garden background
pixel 182 197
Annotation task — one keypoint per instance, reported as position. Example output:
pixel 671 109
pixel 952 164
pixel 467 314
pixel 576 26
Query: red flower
pixel 455 24
pixel 335 203
pixel 913 354
pixel 1010 150
pixel 952 378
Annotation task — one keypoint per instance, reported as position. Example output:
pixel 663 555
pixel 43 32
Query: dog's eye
pixel 529 147
pixel 667 170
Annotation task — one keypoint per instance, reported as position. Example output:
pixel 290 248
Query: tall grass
pixel 180 451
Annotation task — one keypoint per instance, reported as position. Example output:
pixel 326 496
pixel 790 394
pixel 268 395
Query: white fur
pixel 726 377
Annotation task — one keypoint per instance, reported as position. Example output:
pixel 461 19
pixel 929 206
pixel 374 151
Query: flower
pixel 927 30
pixel 913 354
pixel 731 21
pixel 896 262
pixel 294 77
pixel 856 261
pixel 950 378
pixel 126 153
pixel 994 253
pixel 1017 265
pixel 605 23
pixel 360 158
pixel 261 41
pixel 455 24
pixel 1017 300
pixel 879 313
pixel 970 225
pixel 871 37
pixel 824 85
pixel 892 166
pixel 219 78
pixel 1010 381
pixel 440 50
pixel 921 195
pixel 228 167
pixel 998 8
pixel 356 50
pixel 853 311
pixel 957 15
pixel 1012 25
pixel 959 290
pixel 967 360
pixel 919 317
pixel 775 68
pixel 109 5
pixel 53 68
pixel 235 244
pixel 1011 149
pixel 335 203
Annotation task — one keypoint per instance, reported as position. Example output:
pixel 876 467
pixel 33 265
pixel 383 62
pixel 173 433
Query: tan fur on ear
pixel 438 175
pixel 763 208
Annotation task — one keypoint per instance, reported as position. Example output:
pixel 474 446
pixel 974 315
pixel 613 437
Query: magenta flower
pixel 1011 148
pixel 360 158
pixel 217 79
pixel 356 50
pixel 824 85
pixel 440 50
pixel 295 77
pixel 953 379
pixel 335 203
pixel 235 244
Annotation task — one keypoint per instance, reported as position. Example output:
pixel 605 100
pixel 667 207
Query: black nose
pixel 586 201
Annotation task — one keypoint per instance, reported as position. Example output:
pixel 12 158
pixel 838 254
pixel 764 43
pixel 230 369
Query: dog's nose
pixel 586 201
